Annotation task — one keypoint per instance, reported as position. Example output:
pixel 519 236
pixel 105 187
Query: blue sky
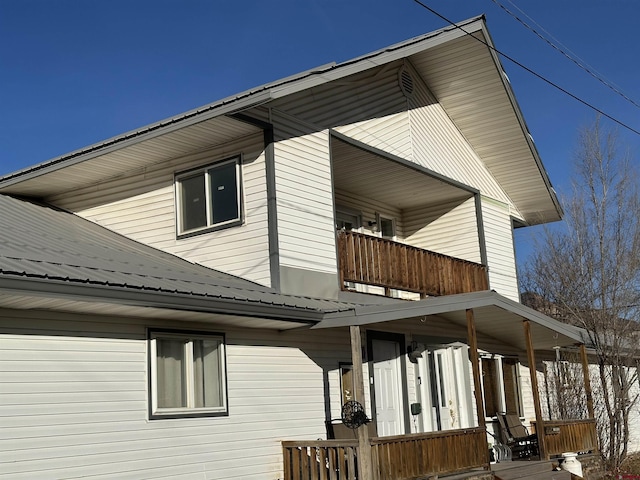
pixel 74 72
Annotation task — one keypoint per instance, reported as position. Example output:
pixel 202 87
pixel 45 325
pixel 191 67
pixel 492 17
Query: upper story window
pixel 348 219
pixel 386 227
pixel 209 197
pixel 187 374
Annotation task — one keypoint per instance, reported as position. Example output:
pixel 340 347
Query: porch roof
pixel 495 316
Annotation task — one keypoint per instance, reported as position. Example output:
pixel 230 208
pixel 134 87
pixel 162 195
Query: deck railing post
pixel 364 444
pixel 536 392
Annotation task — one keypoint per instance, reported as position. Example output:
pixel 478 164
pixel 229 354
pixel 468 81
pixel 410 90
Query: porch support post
pixel 364 445
pixel 472 340
pixel 587 381
pixel 536 392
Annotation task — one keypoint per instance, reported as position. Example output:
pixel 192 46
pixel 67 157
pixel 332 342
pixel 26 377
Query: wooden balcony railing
pixel 377 261
pixel 570 436
pixel 394 458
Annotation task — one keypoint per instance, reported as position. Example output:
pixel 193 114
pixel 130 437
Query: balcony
pixel 369 260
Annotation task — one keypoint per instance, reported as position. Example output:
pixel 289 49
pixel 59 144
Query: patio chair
pixel 517 437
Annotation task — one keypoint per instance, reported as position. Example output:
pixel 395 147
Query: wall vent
pixel 406 82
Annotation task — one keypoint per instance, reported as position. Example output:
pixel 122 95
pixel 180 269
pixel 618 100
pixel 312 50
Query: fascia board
pixel 158 299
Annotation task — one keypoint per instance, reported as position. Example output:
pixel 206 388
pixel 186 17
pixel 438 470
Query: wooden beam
pixel 536 392
pixel 587 380
pixel 472 340
pixel 365 471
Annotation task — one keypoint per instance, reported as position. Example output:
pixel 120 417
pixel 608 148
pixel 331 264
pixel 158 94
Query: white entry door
pixel 387 387
pixel 443 385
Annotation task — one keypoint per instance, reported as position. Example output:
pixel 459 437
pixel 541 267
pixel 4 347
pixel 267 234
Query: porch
pixel 421 455
pixel 481 320
pixel 393 458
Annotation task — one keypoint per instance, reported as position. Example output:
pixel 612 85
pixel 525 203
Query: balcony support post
pixel 364 444
pixel 536 392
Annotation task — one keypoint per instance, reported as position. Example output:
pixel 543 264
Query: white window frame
pixel 190 410
pixel 379 219
pixel 205 172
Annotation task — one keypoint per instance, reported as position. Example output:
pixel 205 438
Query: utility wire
pixel 580 64
pixel 532 72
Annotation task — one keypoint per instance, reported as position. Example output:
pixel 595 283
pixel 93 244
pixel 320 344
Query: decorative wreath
pixel 353 414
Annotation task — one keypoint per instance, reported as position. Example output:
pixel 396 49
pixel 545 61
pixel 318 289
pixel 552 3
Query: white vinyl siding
pixel 439 145
pixel 450 229
pixel 498 232
pixel 368 106
pixel 73 401
pixel 372 109
pixel 417 129
pixel 306 236
pixel 141 205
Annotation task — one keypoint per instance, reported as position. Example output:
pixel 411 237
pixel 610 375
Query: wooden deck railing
pixel 420 454
pixel 377 261
pixel 320 460
pixel 570 436
pixel 394 458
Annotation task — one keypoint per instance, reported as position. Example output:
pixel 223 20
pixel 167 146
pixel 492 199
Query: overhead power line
pixel 532 72
pixel 577 61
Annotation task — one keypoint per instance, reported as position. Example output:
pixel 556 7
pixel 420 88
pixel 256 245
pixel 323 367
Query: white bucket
pixel 571 464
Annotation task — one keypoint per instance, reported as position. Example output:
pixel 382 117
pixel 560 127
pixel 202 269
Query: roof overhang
pixel 464 74
pixel 496 317
pixel 498 320
pixel 94 299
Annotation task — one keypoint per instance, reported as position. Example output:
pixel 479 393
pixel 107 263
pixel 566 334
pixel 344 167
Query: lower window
pixel 187 374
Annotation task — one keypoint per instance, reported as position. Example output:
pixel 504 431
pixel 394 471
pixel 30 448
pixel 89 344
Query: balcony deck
pixel 369 260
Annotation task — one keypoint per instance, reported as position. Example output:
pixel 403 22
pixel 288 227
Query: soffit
pixel 115 161
pixel 95 309
pixel 366 174
pixel 467 79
